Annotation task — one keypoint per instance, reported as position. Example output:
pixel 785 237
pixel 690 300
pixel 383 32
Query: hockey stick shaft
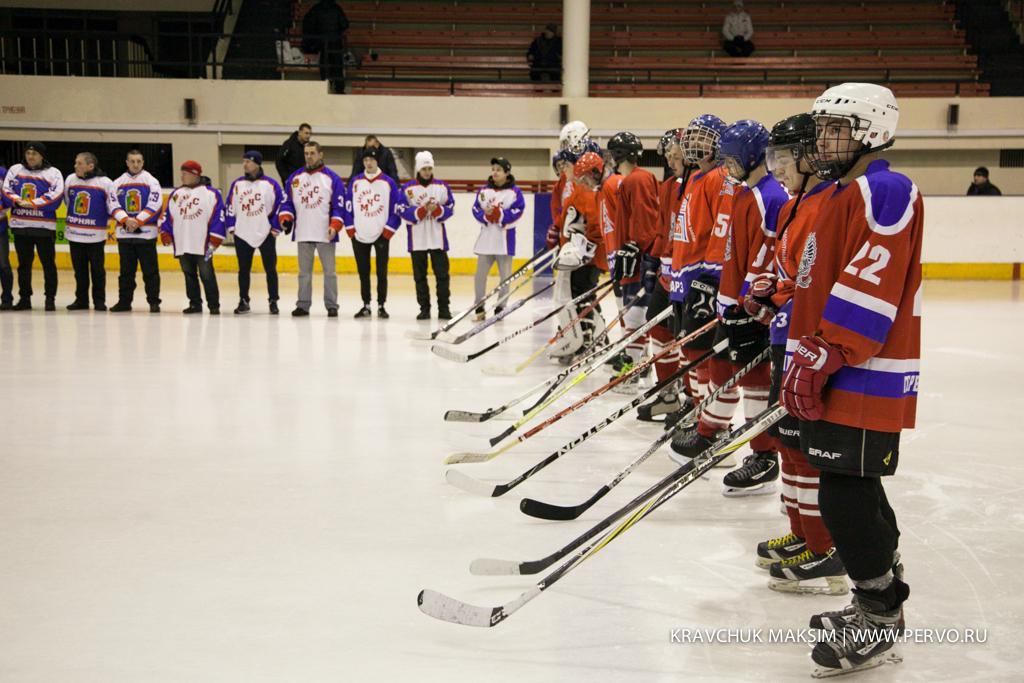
pixel 552 395
pixel 533 265
pixel 538 321
pixel 542 510
pixel 507 311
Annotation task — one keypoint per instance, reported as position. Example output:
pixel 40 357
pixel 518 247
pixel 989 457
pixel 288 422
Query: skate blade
pixel 756 490
pixel 834 585
pixel 764 562
pixel 891 656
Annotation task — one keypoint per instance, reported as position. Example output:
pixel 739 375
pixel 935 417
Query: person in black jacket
pixel 323 32
pixel 385 159
pixel 545 55
pixel 292 155
pixel 981 186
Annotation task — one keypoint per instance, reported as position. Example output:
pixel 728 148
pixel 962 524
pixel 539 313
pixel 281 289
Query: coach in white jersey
pixel 374 195
pixel 35 190
pixel 252 205
pixel 425 204
pixel 314 204
pixel 194 222
pixel 498 208
pixel 89 201
pixel 138 204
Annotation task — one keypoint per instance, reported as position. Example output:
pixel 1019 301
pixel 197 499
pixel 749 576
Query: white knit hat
pixel 424 159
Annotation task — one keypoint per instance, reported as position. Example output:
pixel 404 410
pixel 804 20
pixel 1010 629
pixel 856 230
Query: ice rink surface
pixel 261 499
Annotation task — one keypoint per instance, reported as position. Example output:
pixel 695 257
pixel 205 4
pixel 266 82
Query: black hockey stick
pixel 541 510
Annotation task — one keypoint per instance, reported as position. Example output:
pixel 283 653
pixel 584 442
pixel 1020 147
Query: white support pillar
pixel 575 48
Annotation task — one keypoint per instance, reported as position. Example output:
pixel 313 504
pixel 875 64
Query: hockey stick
pixel 548 384
pixel 541 510
pixel 446 352
pixel 550 342
pixel 445 608
pixel 534 264
pixel 465 482
pixel 550 396
pixel 451 354
pixel 463 458
pixel 449 338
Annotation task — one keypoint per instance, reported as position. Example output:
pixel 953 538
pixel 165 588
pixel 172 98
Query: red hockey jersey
pixel 701 213
pixel 858 286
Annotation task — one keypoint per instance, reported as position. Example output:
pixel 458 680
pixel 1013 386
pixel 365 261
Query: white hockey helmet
pixel 872 113
pixel 574 137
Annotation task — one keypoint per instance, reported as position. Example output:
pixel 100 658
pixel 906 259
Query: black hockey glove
pixel 625 262
pixel 286 225
pixel 747 337
pixel 700 299
pixel 650 268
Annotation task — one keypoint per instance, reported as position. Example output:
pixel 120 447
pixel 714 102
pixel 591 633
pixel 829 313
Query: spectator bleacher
pixel 663 49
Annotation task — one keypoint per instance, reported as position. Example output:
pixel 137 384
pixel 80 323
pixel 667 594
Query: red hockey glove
pixel 551 240
pixel 494 215
pixel 421 213
pixel 166 239
pixel 758 301
pixel 812 363
pixel 388 234
pixel 351 232
pixel 436 213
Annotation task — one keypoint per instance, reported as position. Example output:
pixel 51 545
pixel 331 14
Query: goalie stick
pixel 463 458
pixel 541 510
pixel 460 357
pixel 445 608
pixel 533 265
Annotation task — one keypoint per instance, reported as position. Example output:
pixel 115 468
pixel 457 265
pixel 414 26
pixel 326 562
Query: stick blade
pixel 465 482
pixel 499 370
pixel 466 416
pixel 542 510
pixel 449 354
pixel 467 458
pixel 444 608
pixel 485 566
pixel 417 335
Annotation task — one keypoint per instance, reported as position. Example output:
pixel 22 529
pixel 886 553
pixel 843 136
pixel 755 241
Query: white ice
pixel 261 499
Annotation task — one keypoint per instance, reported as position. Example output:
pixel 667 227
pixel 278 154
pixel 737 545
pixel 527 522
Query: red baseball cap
pixel 192 167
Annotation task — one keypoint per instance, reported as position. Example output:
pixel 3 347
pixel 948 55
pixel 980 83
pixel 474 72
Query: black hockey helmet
pixel 670 137
pixel 625 146
pixel 792 138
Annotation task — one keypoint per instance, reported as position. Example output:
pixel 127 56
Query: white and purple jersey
pixel 139 197
pixel 191 216
pixel 498 238
pixel 316 201
pixel 428 232
pixel 44 187
pixel 372 207
pixel 252 207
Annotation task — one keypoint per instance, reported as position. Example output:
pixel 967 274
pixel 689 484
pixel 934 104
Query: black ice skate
pixel 868 638
pixel 756 477
pixel 688 444
pixel 810 572
pixel 836 619
pixel 663 404
pixel 776 549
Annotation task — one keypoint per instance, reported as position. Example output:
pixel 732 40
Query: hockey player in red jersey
pixel 747 251
pixel 852 378
pixel 803 559
pixel 636 265
pixel 670 197
pixel 703 210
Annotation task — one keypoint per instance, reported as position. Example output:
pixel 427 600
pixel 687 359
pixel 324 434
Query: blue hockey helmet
pixel 744 142
pixel 700 138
